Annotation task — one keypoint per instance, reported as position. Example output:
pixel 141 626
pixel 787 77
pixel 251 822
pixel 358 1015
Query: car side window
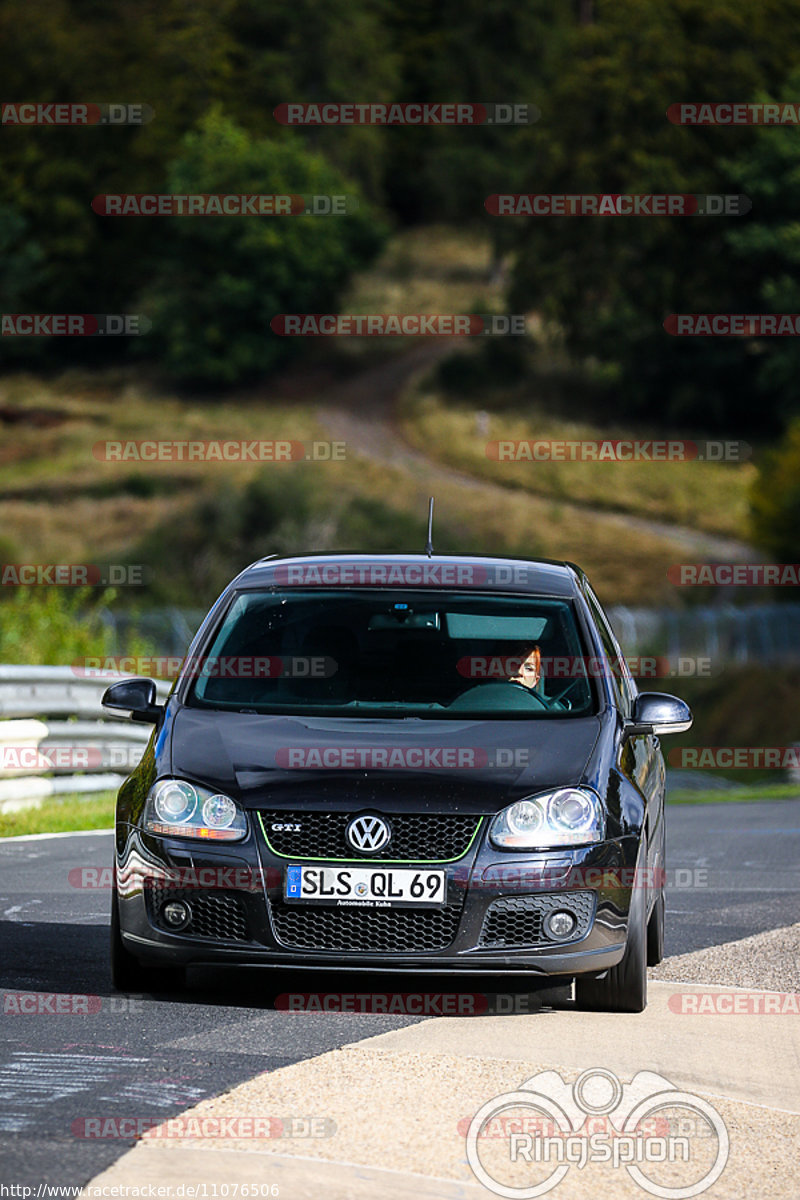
pixel 621 682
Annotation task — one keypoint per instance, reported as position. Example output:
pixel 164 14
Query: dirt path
pixel 361 412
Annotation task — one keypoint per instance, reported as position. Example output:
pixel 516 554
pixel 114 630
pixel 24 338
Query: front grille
pixel 416 837
pixel 365 930
pixel 217 915
pixel 517 920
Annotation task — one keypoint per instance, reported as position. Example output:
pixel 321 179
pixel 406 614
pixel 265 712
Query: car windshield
pixel 399 654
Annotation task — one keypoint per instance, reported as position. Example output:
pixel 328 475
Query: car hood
pixel 435 766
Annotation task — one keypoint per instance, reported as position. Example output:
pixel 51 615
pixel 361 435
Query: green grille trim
pixel 366 860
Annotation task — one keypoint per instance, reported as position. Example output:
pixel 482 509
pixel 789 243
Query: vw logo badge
pixel 368 834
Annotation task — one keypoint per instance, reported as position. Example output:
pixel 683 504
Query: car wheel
pixel 624 987
pixel 128 974
pixel 655 931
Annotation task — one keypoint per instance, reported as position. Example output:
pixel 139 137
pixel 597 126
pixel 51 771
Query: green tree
pixel 609 282
pixel 307 52
pixel 768 247
pixel 775 499
pixel 222 279
pixel 169 55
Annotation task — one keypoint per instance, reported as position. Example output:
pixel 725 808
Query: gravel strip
pixel 408 1112
pixel 767 961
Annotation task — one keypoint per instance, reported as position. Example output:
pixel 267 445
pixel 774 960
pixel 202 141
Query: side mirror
pixel 137 698
pixel 656 712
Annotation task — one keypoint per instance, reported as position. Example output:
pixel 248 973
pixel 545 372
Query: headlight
pixel 179 809
pixel 567 817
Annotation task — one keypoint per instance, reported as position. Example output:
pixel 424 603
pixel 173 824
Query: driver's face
pixel 528 672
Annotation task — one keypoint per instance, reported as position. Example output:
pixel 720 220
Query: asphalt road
pixel 731 872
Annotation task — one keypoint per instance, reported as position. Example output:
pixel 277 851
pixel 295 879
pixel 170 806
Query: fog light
pixel 176 914
pixel 559 925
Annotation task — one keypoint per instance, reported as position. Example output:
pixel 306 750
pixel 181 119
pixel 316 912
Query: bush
pixel 194 554
pixel 223 278
pixel 775 499
pixel 52 626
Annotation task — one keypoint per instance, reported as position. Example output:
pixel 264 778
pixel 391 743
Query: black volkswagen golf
pixel 398 763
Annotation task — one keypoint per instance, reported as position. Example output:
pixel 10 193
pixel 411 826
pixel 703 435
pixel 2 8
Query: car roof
pixel 542 576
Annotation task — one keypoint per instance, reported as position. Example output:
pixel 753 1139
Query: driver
pixel 524 665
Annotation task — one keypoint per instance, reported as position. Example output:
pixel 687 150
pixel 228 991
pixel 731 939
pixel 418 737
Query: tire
pixel 128 974
pixel 655 931
pixel 624 987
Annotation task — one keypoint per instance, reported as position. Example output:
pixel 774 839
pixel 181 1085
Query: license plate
pixel 364 887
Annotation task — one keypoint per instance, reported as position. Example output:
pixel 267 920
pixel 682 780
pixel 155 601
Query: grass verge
pixel 737 795
pixel 68 814
pixel 707 496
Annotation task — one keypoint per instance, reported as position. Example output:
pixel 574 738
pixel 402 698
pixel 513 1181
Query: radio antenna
pixel 429 543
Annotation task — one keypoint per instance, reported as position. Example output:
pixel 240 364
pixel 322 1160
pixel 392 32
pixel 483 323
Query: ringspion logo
pixel 525 1142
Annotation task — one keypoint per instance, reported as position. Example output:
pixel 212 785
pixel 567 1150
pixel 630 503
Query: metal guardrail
pixel 89 751
pixel 725 634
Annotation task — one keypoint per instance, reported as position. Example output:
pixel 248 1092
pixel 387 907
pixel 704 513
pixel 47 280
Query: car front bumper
pixel 491 922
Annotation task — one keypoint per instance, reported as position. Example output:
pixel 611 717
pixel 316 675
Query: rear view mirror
pixel 659 713
pixel 403 617
pixel 136 697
